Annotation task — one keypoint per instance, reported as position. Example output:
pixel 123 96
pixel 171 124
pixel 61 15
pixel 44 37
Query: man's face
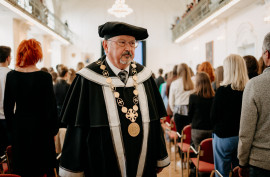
pixel 119 50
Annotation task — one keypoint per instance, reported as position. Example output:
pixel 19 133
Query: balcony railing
pixel 41 13
pixel 200 12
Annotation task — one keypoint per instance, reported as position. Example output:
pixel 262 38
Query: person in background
pixel 197 68
pixel 191 72
pixel 162 90
pixel 33 124
pixel 254 140
pixel 54 77
pixel 180 91
pixel 168 85
pixel 58 67
pixel 71 76
pixel 44 69
pixel 5 60
pixel 261 66
pixel 207 67
pixel 51 69
pixel 225 114
pixel 160 79
pixel 80 66
pixel 60 90
pixel 218 78
pixel 252 66
pixel 200 104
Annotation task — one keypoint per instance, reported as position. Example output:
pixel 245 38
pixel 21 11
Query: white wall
pixel 6 35
pixel 244 27
pixel 85 16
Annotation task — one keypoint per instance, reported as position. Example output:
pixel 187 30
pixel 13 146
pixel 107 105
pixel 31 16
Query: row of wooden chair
pixel 204 160
pixel 6 163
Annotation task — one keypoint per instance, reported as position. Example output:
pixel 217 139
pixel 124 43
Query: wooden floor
pixel 170 171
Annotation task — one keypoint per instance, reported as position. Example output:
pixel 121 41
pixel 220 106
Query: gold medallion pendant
pixel 133 129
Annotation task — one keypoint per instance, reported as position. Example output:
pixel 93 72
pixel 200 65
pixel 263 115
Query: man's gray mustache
pixel 127 53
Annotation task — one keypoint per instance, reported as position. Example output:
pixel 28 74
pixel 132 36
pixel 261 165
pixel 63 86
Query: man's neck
pixel 5 64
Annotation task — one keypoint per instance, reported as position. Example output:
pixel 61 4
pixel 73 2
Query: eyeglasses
pixel 123 43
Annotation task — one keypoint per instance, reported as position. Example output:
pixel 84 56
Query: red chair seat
pixel 9 175
pixel 185 147
pixel 165 127
pixel 172 134
pixel 203 166
pixel 5 167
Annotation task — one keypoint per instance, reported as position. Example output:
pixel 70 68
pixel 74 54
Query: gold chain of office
pixel 131 114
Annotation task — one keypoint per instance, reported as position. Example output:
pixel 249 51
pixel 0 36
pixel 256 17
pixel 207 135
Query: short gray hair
pixel 266 42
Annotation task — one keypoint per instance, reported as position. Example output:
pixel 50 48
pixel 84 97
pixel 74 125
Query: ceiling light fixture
pixel 120 9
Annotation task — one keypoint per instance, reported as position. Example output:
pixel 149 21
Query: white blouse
pixel 178 96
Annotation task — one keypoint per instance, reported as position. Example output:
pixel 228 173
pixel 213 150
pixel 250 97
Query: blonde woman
pixel 225 114
pixel 180 91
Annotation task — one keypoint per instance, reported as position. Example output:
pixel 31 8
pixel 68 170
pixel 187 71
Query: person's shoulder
pixel 193 96
pixel 45 75
pixel 95 66
pixel 140 67
pixel 10 74
pixel 257 81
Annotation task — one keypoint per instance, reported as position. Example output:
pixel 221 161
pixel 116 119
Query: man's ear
pixel 105 46
pixel 9 59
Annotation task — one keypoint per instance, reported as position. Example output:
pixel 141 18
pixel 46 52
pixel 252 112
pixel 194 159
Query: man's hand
pixel 242 171
pixel 158 170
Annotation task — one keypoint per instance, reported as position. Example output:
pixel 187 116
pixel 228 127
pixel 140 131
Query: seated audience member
pixel 71 76
pixel 199 109
pixel 207 67
pixel 180 91
pixel 261 66
pixel 5 59
pixel 252 66
pixel 218 78
pixel 254 139
pixel 225 114
pixel 34 121
pixel 80 66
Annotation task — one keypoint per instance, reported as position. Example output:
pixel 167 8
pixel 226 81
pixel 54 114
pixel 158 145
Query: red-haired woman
pixel 207 67
pixel 30 109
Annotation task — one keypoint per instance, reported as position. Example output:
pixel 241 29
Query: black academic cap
pixel 111 29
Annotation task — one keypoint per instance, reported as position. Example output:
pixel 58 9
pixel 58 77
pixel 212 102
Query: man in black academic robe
pixel 97 141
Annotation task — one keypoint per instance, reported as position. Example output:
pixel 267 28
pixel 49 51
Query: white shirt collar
pixel 115 69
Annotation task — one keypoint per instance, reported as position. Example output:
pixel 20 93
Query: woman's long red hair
pixel 29 53
pixel 207 67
